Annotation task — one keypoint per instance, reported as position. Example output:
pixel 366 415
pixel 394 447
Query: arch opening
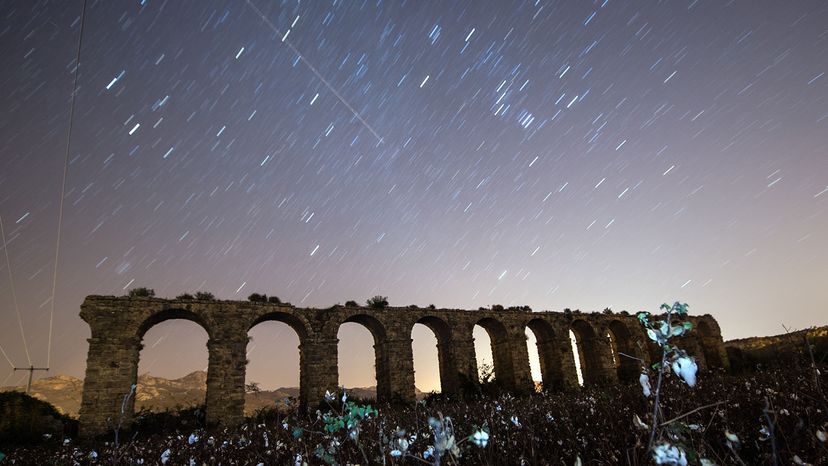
pixel 273 372
pixel 426 359
pixel 534 359
pixel 446 367
pixel 544 355
pixel 498 359
pixel 622 349
pixel 579 361
pixel 483 354
pixel 361 336
pixel 172 364
pixel 587 362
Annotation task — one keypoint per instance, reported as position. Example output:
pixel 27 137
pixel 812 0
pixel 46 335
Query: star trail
pixel 556 154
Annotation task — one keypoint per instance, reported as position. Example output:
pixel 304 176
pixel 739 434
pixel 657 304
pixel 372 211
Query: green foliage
pixel 257 298
pixel 660 331
pixel 353 415
pixel 142 292
pixel 378 302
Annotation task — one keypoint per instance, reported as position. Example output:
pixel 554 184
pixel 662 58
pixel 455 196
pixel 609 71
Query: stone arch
pixel 155 318
pixel 449 382
pixel 588 351
pixel 710 343
pixel 170 314
pixel 297 324
pixel 621 342
pixel 382 366
pixel 373 325
pixel 177 350
pixel 300 329
pixel 501 351
pixel 549 353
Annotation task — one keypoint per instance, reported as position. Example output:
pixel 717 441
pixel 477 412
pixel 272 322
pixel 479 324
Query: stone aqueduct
pixel 118 326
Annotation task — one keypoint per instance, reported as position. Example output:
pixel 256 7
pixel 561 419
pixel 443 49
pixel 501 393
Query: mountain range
pixel 160 394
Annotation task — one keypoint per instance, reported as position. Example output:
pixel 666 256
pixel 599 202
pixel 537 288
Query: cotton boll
pixel 686 368
pixel 644 380
pixel 670 455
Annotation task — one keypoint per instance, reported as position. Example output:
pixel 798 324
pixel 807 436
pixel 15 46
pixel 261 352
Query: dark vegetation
pixel 378 302
pixel 205 296
pixel 594 424
pixel 142 292
pixel 27 420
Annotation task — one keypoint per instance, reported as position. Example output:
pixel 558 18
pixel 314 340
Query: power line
pixel 14 295
pixel 7 357
pixel 31 370
pixel 315 71
pixel 63 184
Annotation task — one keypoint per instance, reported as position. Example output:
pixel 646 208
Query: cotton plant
pixel 346 421
pixel 401 443
pixel 662 332
pixel 445 443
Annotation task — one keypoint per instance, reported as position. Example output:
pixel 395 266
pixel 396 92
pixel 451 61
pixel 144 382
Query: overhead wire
pixel 14 295
pixel 63 183
pixel 7 357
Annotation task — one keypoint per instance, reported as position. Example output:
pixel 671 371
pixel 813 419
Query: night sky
pixel 580 154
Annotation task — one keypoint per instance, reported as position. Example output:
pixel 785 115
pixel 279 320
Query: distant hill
pixel 748 354
pixel 786 340
pixel 62 391
pixel 159 394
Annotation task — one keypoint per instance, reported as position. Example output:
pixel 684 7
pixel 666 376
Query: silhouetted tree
pixel 378 302
pixel 520 308
pixel 351 304
pixel 432 307
pixel 497 307
pixel 185 297
pixel 257 298
pixel 142 292
pixel 274 300
pixel 205 296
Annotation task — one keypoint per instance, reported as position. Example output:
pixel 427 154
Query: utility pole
pixel 31 370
